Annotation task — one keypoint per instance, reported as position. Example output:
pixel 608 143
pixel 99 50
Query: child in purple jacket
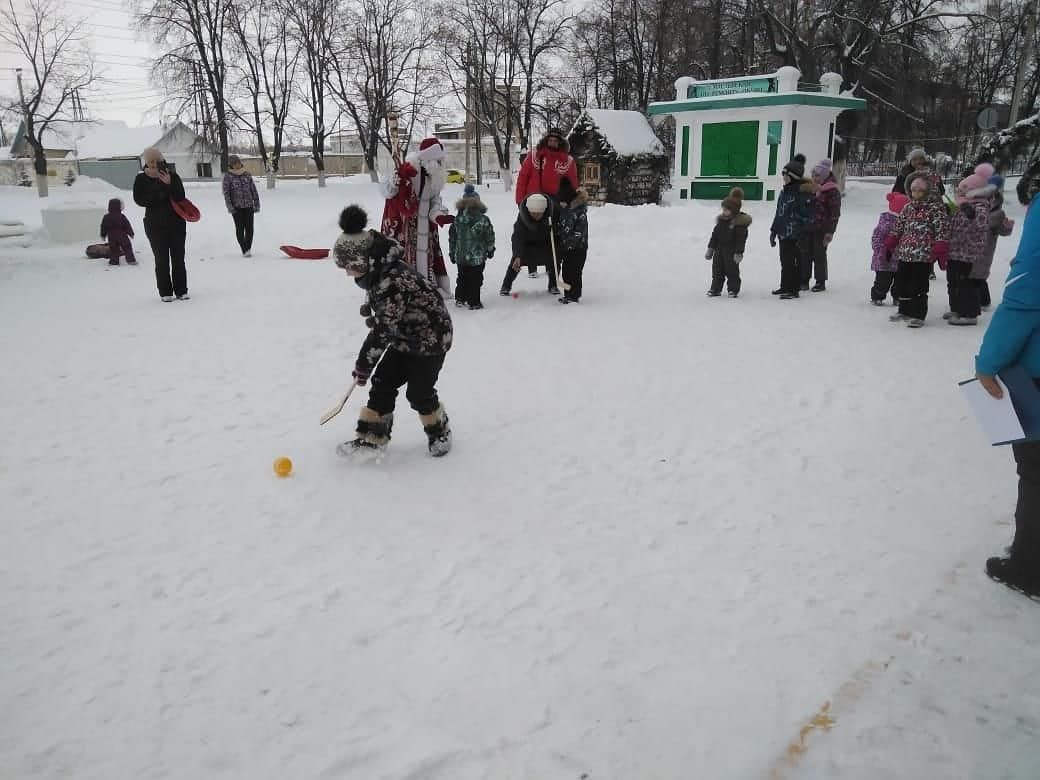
pixel 883 263
pixel 969 237
pixel 116 228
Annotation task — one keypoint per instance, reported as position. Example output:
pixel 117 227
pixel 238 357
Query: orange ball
pixel 282 467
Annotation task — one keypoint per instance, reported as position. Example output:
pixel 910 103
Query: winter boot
pixel 373 432
pixel 713 294
pixel 732 294
pixel 1008 572
pixel 819 287
pixel 804 287
pixel 788 296
pixel 915 323
pixel 897 317
pixel 949 315
pixel 437 432
pixel 958 320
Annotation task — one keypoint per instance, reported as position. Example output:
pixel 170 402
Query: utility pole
pixel 1024 60
pixel 466 114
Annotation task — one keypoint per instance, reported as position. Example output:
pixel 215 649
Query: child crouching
pixel 409 335
pixel 726 245
pixel 471 243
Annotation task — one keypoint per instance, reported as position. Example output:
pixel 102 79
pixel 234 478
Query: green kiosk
pixel 741 131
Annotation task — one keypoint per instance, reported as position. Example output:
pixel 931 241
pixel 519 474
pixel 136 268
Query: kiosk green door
pixel 729 149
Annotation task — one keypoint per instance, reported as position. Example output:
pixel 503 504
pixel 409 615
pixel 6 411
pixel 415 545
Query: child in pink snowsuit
pixel 883 263
pixel 117 229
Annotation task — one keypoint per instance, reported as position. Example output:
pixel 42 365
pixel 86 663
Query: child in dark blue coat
pixel 1013 338
pixel 794 214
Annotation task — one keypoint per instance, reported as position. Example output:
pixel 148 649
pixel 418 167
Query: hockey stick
pixel 338 407
pixel 556 263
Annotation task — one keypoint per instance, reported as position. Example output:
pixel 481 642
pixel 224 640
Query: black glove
pixel 772 239
pixel 361 375
pixel 491 253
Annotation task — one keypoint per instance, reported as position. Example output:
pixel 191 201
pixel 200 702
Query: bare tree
pixel 311 25
pixel 197 32
pixel 59 66
pixel 483 62
pixel 268 60
pixel 378 68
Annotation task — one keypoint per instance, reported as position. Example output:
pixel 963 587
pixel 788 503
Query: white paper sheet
pixel 997 417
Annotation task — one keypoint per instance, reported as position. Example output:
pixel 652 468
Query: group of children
pixel 807 214
pixel 918 231
pixel 549 231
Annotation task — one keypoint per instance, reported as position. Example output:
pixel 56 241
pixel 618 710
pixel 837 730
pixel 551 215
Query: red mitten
pixel 444 219
pixel 941 252
pixel 407 171
pixel 891 242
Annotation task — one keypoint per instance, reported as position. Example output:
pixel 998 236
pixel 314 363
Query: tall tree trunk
pixel 40 166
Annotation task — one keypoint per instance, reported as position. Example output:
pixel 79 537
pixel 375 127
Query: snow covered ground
pixel 678 537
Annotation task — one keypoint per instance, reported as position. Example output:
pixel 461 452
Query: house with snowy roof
pixel 619 157
pixel 111 150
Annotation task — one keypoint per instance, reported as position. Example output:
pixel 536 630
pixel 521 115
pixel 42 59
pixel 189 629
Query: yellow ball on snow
pixel 282 467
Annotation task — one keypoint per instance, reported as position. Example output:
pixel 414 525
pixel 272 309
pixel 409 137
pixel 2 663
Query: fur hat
pixel 536 203
pixel 734 201
pixel 430 149
pixel 469 191
pixel 822 169
pixel 917 153
pixel 351 250
pixel 896 202
pixel 796 167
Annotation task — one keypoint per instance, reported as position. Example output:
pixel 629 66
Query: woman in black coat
pixel 154 188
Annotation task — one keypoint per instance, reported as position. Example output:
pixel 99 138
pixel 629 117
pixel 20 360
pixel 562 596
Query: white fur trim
pixel 434 152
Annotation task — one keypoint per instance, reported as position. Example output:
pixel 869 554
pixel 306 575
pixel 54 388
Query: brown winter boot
pixel 437 432
pixel 373 432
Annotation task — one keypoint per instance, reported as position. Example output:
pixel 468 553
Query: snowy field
pixel 677 538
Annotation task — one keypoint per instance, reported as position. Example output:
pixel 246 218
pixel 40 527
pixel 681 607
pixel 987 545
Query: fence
pixel 946 167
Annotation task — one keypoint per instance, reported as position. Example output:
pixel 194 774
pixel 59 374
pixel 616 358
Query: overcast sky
pixel 122 58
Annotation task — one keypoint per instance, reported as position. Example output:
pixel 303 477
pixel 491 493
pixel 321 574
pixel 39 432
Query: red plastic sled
pixel 186 210
pixel 297 253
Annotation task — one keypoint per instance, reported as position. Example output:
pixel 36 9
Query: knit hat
pixel 822 169
pixel 430 149
pixel 896 202
pixel 796 167
pixel 567 192
pixel 469 191
pixel 734 201
pixel 351 250
pixel 536 203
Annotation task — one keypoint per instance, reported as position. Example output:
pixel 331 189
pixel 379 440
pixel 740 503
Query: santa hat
pixel 822 169
pixel 896 202
pixel 734 201
pixel 351 249
pixel 430 149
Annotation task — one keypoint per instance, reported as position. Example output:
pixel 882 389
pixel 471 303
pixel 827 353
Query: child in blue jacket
pixel 795 209
pixel 1013 337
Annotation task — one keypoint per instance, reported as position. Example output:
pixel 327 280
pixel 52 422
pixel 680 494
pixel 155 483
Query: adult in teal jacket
pixel 1013 337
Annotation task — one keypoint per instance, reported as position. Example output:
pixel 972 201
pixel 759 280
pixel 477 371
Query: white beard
pixel 436 178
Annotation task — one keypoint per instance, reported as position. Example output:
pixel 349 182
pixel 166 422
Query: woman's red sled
pixel 297 253
pixel 186 210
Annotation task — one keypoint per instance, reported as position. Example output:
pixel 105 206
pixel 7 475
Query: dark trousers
pixel 244 228
pixel 468 282
pixel 573 262
pixel 790 255
pixel 814 253
pixel 512 273
pixel 965 295
pixel 883 282
pixel 121 245
pixel 168 247
pixel 724 269
pixel 912 285
pixel 397 369
pixel 984 295
pixel 1026 546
